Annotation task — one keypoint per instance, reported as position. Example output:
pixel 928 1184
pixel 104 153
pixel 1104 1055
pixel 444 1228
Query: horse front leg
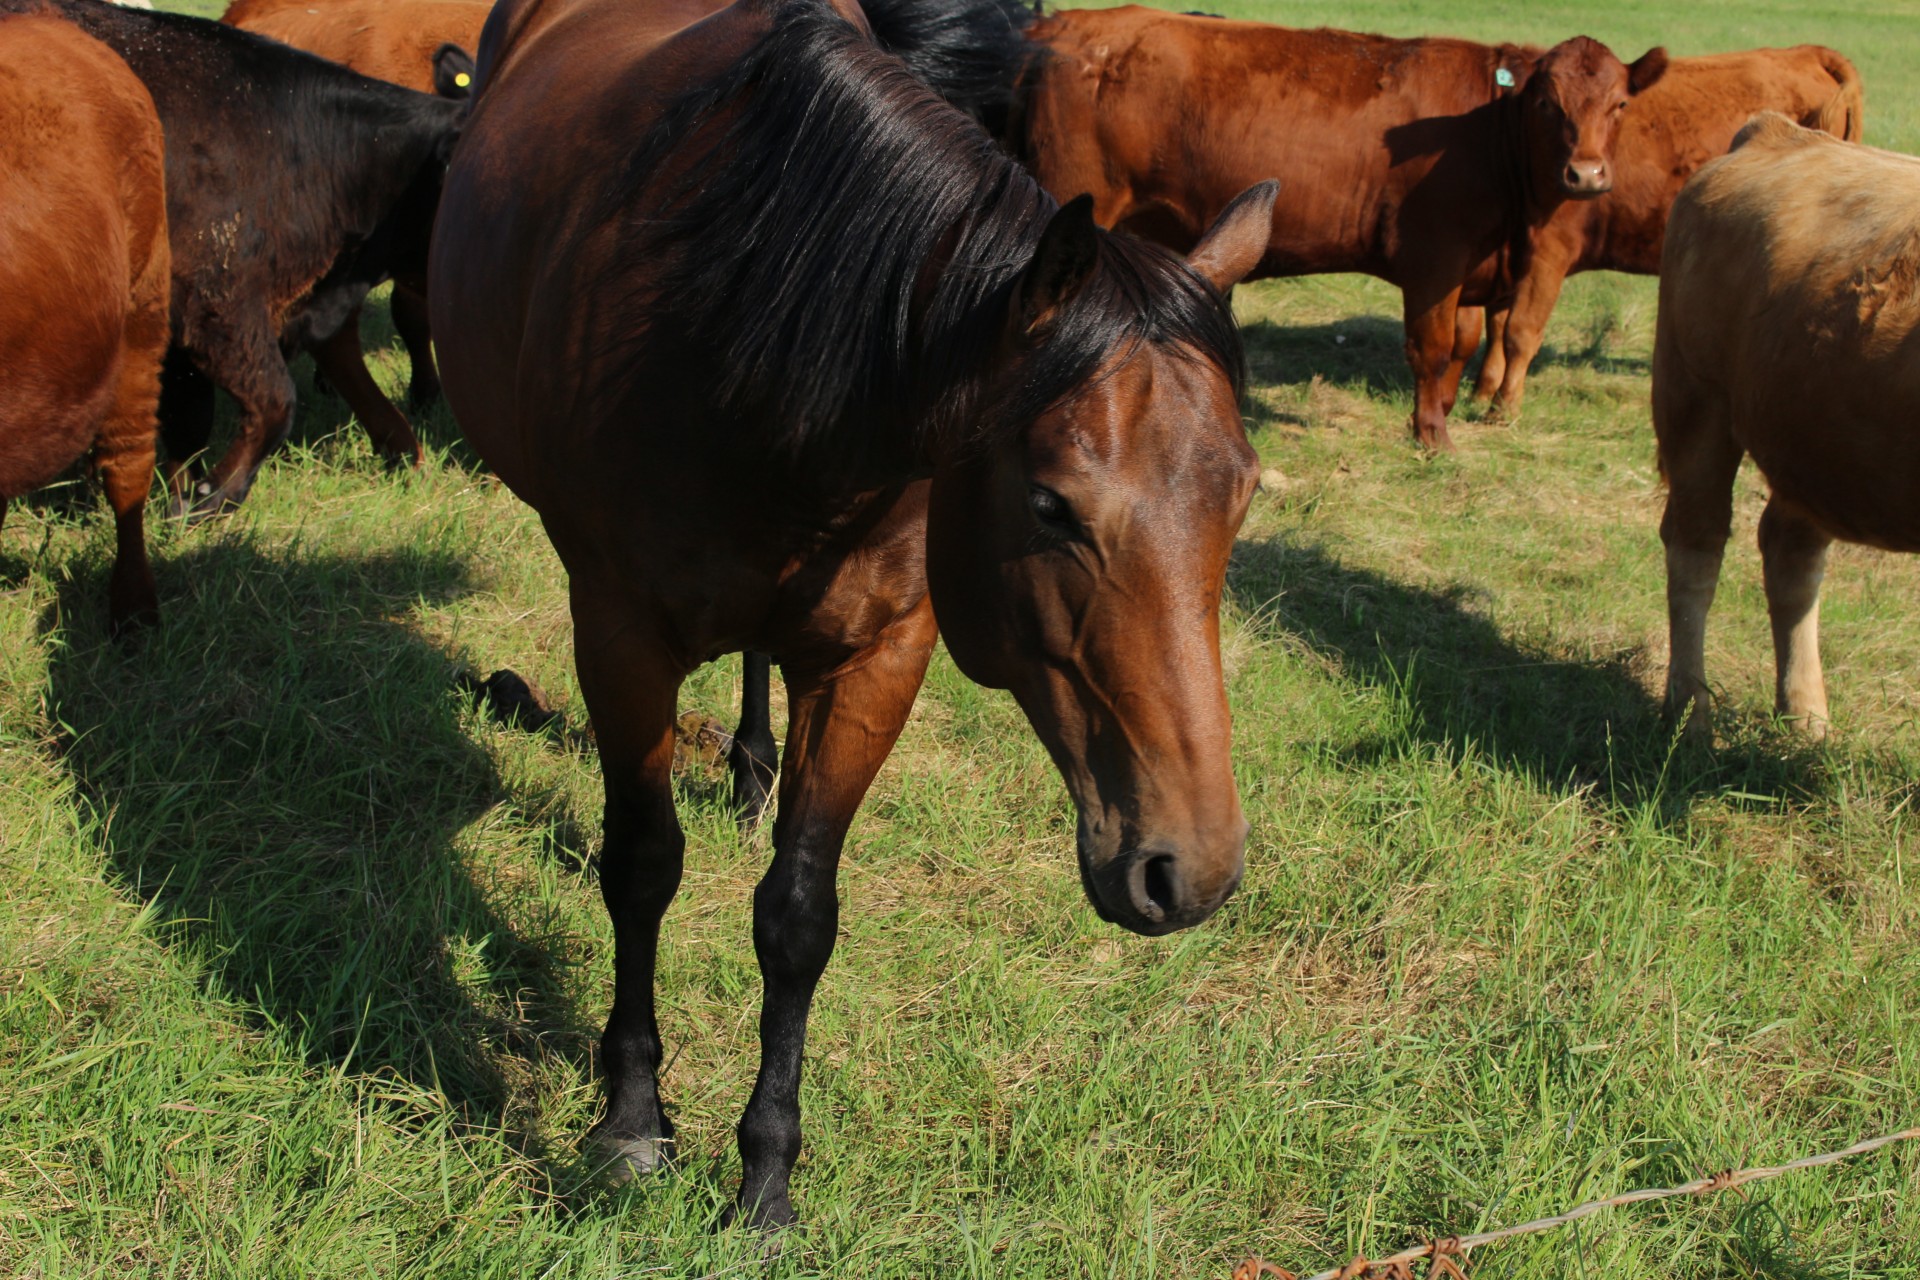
pixel 842 725
pixel 630 687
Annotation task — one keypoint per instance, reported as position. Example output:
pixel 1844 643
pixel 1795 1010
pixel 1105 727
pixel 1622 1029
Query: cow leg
pixel 1430 339
pixel 344 361
pixel 248 364
pixel 1494 366
pixel 754 758
pixel 186 425
pixel 410 322
pixel 1700 458
pixel 1533 305
pixel 1466 341
pixel 630 687
pixel 843 724
pixel 1794 553
pixel 124 456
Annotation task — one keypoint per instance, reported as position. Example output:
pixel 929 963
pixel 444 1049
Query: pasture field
pixel 302 960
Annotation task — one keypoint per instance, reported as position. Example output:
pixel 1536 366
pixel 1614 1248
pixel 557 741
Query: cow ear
pixel 1061 264
pixel 1238 238
pixel 1646 72
pixel 452 72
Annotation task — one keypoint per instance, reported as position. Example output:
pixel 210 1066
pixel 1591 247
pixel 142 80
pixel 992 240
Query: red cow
pixel 1425 162
pixel 1670 131
pixel 84 277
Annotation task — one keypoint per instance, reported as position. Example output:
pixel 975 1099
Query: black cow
pixel 293 187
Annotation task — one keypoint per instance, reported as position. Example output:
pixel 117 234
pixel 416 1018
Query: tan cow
pixel 1789 329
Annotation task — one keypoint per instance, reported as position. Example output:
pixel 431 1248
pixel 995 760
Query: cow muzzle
pixel 1584 179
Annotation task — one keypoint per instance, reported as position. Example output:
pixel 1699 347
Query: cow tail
pixel 1844 114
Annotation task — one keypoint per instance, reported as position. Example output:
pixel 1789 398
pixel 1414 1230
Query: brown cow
pixel 84 277
pixel 1670 131
pixel 425 45
pixel 1789 329
pixel 1422 162
pixel 408 42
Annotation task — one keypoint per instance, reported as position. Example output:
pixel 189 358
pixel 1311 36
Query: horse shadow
pixel 281 774
pixel 1464 687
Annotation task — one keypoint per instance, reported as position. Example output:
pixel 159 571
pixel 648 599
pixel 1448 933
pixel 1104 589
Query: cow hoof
pixel 1694 720
pixel 131 625
pixel 210 503
pixel 622 1160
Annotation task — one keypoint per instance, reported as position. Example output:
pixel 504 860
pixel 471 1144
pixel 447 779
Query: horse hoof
pixel 623 1160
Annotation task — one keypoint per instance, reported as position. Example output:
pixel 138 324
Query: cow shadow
pixel 1465 687
pixel 1363 352
pixel 281 773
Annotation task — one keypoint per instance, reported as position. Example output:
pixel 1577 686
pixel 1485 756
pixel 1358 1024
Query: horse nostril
pixel 1157 882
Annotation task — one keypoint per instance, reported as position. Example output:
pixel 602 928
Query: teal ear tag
pixel 1503 78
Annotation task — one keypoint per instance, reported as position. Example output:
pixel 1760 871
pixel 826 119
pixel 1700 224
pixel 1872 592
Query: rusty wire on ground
pixel 1445 1252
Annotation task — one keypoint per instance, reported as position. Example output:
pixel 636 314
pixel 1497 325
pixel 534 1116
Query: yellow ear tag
pixel 463 80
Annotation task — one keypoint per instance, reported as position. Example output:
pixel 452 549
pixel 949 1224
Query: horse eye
pixel 1051 509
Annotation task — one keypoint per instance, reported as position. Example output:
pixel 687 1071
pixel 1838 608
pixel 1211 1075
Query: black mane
pixel 973 53
pixel 844 245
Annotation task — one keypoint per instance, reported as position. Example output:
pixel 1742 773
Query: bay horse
pixel 738 257
pixel 85 272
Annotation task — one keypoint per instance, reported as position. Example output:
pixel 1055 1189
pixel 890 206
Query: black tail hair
pixel 970 52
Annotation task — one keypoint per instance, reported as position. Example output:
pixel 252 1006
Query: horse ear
pixel 1062 263
pixel 1238 238
pixel 1647 70
pixel 452 72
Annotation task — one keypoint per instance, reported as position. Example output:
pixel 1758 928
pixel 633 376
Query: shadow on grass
pixel 1369 352
pixel 1569 725
pixel 281 771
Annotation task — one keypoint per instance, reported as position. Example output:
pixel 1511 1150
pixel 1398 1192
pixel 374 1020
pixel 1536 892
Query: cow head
pixel 1571 110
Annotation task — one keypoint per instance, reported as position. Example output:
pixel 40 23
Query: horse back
pixel 569 90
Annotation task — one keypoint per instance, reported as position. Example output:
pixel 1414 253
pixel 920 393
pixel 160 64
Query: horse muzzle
pixel 1157 888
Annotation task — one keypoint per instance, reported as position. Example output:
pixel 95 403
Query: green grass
pixel 302 960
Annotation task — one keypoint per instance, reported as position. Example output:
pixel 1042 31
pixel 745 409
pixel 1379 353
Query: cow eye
pixel 1051 510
